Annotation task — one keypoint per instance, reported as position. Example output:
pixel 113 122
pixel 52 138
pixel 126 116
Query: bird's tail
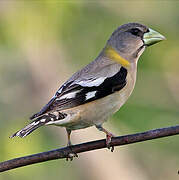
pixel 32 126
pixel 40 121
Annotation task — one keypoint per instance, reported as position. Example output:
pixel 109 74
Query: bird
pixel 98 90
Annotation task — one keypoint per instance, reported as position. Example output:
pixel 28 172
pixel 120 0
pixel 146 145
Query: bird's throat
pixel 115 56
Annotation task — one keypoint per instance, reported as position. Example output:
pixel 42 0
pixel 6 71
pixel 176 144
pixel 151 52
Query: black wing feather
pixel 109 86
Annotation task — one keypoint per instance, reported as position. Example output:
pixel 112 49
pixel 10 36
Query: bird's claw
pixel 108 141
pixel 111 148
pixel 71 155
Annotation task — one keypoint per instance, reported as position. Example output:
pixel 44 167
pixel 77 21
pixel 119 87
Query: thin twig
pixel 89 146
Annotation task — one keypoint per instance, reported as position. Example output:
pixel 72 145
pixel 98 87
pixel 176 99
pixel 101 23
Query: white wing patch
pixel 60 90
pixel 92 82
pixel 69 95
pixel 90 95
pixel 42 120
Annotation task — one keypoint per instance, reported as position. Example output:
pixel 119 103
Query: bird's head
pixel 130 40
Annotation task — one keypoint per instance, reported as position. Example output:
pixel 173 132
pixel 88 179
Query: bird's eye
pixel 135 31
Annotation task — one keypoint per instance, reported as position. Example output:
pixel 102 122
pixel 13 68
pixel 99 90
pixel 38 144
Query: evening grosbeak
pixel 99 89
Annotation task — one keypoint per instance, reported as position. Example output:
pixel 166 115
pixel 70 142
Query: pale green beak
pixel 152 37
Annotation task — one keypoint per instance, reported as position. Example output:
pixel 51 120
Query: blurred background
pixel 42 43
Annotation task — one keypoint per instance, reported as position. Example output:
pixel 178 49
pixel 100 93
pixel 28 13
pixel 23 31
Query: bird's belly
pixel 96 112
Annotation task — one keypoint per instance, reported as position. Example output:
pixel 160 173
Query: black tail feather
pixel 29 128
pixel 40 121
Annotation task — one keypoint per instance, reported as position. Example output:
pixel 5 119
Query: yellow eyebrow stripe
pixel 114 55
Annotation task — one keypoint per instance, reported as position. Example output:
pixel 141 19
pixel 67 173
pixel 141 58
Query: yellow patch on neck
pixel 114 55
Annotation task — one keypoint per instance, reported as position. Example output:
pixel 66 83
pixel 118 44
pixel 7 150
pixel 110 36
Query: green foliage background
pixel 43 42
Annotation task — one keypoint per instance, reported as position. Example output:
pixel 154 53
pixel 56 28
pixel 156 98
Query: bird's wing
pixel 75 93
pixel 89 90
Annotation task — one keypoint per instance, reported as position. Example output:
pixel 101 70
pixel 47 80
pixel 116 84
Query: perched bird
pixel 98 90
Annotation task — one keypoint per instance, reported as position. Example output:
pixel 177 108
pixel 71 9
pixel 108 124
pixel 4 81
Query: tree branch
pixel 89 146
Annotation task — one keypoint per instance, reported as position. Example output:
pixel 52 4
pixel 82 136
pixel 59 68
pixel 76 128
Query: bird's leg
pixel 68 135
pixel 71 155
pixel 108 137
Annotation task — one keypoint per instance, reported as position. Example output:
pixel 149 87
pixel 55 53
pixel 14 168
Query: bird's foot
pixel 109 137
pixel 71 154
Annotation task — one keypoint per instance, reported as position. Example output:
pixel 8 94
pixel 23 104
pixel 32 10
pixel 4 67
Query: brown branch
pixel 89 146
